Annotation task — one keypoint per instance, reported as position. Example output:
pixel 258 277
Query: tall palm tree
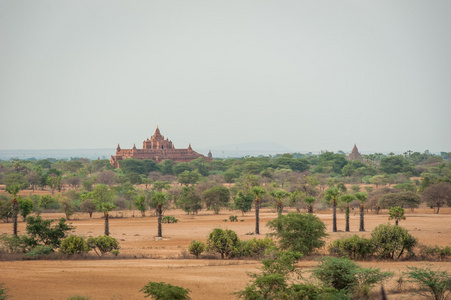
pixel 103 198
pixel 258 193
pixel 310 200
pixel 158 200
pixel 362 198
pixel 332 195
pixel 14 190
pixel 279 195
pixel 347 199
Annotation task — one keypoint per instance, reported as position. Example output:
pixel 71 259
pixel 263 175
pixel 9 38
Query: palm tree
pixel 279 195
pixel 14 190
pixel 157 201
pixel 310 200
pixel 396 213
pixel 347 199
pixel 103 198
pixel 332 195
pixel 258 192
pixel 362 198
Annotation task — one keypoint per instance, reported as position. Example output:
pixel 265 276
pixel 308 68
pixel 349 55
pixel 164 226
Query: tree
pixel 42 233
pixel 332 195
pixel 258 193
pixel 103 198
pixel 216 197
pixel 347 199
pixel 14 190
pixel 297 232
pixel 362 197
pixel 104 244
pixel 196 248
pixel 402 199
pixel 437 195
pixel 189 177
pixel 391 241
pixel 87 205
pixel 433 284
pixel 157 201
pixel 66 205
pixel 222 241
pixel 74 245
pixel 279 195
pixel 140 204
pixel 189 201
pixel 310 200
pixel 243 202
pixel 396 213
pixel 25 207
pixel 165 291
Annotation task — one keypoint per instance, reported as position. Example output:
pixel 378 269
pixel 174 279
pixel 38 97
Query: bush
pixel 344 274
pixel 392 241
pixel 104 244
pixel 169 219
pixel 434 252
pixel 16 243
pixel 297 232
pixel 256 247
pixel 435 283
pixel 224 242
pixel 196 248
pixel 4 293
pixel 165 291
pixel 42 233
pixel 74 245
pixel 40 251
pixel 233 218
pixel 77 297
pixel 353 247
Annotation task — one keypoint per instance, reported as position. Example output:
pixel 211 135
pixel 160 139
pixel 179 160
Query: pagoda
pixel 355 154
pixel 157 148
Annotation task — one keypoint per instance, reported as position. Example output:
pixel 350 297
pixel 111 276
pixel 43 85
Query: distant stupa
pixel 355 154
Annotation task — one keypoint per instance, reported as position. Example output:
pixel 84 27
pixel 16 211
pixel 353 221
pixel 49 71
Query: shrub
pixel 224 242
pixel 353 247
pixel 392 241
pixel 4 293
pixel 344 274
pixel 196 248
pixel 297 232
pixel 256 247
pixel 233 218
pixel 103 243
pixel 434 252
pixel 74 245
pixel 42 233
pixel 77 297
pixel 40 251
pixel 169 219
pixel 16 243
pixel 165 291
pixel 431 282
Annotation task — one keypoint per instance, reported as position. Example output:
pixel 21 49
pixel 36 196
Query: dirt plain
pixel 143 258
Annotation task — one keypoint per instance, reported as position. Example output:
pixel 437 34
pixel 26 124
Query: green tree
pixel 302 233
pixel 332 195
pixel 347 199
pixel 362 197
pixel 103 198
pixel 157 201
pixel 432 284
pixel 43 233
pixel 140 204
pixel 437 195
pixel 396 213
pixel 74 245
pixel 189 201
pixel 279 195
pixel 224 242
pixel 391 241
pixel 104 244
pixel 310 200
pixel 181 167
pixel 13 190
pixel 196 248
pixel 258 193
pixel 216 197
pixel 243 202
pixel 402 199
pixel 165 291
pixel 25 207
pixel 189 177
pixel 88 205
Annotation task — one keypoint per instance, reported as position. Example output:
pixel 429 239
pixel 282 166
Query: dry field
pixel 144 259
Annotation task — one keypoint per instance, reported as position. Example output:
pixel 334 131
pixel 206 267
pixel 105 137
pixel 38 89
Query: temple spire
pixel 189 147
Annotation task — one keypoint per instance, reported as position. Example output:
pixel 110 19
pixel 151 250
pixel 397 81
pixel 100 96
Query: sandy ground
pixel 145 259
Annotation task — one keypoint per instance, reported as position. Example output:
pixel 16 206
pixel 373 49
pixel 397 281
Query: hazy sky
pixel 310 75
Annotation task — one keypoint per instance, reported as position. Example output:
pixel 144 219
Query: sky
pixel 308 75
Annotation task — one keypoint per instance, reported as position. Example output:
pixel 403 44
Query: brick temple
pixel 157 149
